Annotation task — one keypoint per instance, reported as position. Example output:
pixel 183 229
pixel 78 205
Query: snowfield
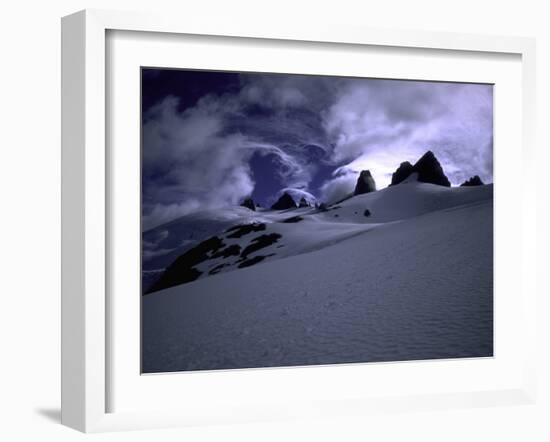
pixel 412 280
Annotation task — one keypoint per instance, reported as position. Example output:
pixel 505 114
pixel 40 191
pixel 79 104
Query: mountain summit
pixel 365 183
pixel 427 168
pixel 249 204
pixel 404 170
pixel 284 202
pixel 473 181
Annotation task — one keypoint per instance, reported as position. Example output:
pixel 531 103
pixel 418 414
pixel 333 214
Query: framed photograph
pixel 262 223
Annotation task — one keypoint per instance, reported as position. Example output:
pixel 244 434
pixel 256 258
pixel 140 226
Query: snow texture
pixel 414 280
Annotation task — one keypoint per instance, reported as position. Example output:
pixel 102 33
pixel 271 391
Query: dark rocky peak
pixel 430 171
pixel 249 204
pixel 284 202
pixel 365 183
pixel 428 168
pixel 402 173
pixel 473 181
pixel 303 203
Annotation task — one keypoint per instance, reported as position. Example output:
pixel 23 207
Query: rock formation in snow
pixel 365 183
pixel 473 181
pixel 249 204
pixel 402 173
pixel 428 168
pixel 284 202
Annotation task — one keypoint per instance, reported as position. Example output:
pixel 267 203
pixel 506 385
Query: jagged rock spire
pixel 365 183
pixel 404 170
pixel 284 202
pixel 249 204
pixel 473 181
pixel 428 168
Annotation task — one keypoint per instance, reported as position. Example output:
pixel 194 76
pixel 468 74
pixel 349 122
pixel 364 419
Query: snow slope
pixel 314 229
pixel 164 243
pixel 411 281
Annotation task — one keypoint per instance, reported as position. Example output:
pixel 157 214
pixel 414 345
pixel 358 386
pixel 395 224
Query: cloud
pixel 199 158
pixel 318 133
pixel 339 187
pixel 297 195
pixel 189 164
pixel 378 124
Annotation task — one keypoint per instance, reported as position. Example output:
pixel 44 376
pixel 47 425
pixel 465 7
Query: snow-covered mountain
pixel 400 273
pixel 219 242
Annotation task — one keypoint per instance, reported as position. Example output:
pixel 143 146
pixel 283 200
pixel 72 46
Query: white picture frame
pixel 85 209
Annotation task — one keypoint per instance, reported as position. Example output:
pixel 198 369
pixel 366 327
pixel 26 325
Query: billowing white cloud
pixel 189 164
pixel 199 157
pixel 339 187
pixel 297 195
pixel 378 124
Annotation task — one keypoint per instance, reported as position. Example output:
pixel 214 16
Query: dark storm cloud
pixel 199 157
pixel 198 151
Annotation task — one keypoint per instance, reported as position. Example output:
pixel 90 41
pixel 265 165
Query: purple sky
pixel 211 139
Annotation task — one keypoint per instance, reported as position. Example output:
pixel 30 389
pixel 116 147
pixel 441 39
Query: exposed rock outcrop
pixel 284 202
pixel 259 243
pixel 303 203
pixel 404 170
pixel 293 219
pixel 473 181
pixel 244 229
pixel 182 270
pixel 428 169
pixel 365 183
pixel 249 204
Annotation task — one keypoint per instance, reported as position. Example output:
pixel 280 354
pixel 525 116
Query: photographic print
pixel 299 220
